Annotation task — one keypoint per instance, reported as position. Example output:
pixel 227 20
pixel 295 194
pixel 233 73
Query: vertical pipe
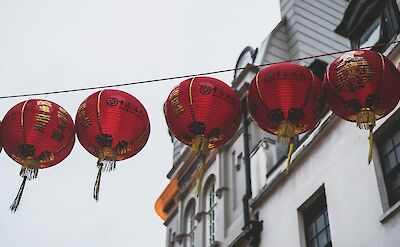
pixel 247 196
pixel 252 228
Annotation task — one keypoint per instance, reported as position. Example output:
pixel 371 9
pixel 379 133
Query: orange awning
pixel 172 189
pixel 167 195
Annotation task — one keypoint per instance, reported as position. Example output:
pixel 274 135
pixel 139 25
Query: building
pixel 330 196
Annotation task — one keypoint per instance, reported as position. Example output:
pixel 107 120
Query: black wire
pixel 184 76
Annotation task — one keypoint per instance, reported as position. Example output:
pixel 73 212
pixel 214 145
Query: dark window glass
pixel 372 34
pixel 317 224
pixel 383 29
pixel 389 150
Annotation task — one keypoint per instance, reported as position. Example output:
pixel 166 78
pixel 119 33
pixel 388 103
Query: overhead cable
pixel 185 76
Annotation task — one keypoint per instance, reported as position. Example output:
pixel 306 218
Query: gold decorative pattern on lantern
pixel 352 72
pixel 58 132
pixel 108 154
pixel 82 114
pixel 174 98
pixel 28 162
pixel 42 118
pixel 215 139
pixel 380 113
pixel 298 129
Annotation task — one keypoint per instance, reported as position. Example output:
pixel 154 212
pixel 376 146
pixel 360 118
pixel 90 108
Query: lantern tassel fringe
pixel 29 173
pixel 365 119
pixel 107 165
pixel 289 159
pixel 17 200
pixel 26 174
pixel 286 131
pixel 102 166
pixel 200 144
pixel 371 143
pixel 96 189
pixel 200 175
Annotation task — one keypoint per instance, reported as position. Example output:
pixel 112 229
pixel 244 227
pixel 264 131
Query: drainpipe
pixel 252 228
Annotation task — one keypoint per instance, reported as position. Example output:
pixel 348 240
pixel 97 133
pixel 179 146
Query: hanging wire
pixel 186 76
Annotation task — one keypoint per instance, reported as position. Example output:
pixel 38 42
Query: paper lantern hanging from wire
pixel 204 113
pixel 362 86
pixel 286 99
pixel 112 125
pixel 1 143
pixel 36 134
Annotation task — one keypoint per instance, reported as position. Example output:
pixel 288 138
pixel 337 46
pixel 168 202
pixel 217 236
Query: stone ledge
pixel 389 212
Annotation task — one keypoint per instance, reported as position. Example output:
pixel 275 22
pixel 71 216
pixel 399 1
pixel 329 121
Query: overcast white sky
pixel 48 45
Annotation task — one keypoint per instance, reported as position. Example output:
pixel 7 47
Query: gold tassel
pixel 198 177
pixel 289 159
pixel 286 132
pixel 200 144
pixel 96 189
pixel 200 174
pixel 106 163
pixel 17 200
pixel 366 118
pixel 108 154
pixel 371 143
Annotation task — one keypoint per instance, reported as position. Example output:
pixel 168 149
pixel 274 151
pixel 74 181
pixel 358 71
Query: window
pixel 389 150
pixel 382 29
pixel 371 36
pixel 211 203
pixel 370 22
pixel 316 223
pixel 190 226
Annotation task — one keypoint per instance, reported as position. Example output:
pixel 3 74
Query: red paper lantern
pixel 204 113
pixel 36 134
pixel 285 99
pixel 362 86
pixel 112 125
pixel 1 143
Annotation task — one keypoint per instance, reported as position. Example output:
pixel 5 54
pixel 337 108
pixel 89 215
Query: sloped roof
pixel 274 48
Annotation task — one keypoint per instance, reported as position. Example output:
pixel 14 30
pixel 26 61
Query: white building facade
pixel 330 196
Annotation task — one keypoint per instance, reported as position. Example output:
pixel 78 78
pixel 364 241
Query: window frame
pixel 388 209
pixel 211 213
pixel 303 212
pixel 190 224
pixel 395 171
pixel 389 25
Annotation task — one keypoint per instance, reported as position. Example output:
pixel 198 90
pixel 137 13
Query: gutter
pixel 251 230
